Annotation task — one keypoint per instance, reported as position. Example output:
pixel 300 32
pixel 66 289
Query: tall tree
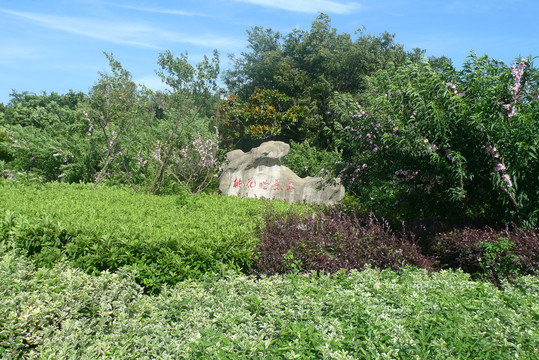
pixel 310 66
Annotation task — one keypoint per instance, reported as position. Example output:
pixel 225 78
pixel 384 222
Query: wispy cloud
pixel 308 6
pixel 476 6
pixel 123 32
pixel 158 10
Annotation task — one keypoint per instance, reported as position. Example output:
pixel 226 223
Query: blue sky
pixel 58 45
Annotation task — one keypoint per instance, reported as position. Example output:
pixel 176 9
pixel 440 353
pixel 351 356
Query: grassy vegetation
pixel 165 239
pixel 109 274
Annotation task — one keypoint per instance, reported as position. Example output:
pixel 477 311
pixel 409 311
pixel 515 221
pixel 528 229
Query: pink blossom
pixel 452 86
pixel 86 115
pixel 61 176
pixel 10 175
pixel 90 129
pixel 500 167
pixel 507 180
pixel 492 151
pixel 140 160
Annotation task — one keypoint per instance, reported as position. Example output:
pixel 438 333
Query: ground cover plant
pixel 165 239
pixel 64 313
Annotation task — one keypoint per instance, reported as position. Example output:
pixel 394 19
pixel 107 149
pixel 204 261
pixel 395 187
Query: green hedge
pixel 63 313
pixel 166 239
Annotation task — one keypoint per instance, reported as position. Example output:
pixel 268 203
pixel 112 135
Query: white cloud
pixel 158 10
pixel 122 32
pixel 308 6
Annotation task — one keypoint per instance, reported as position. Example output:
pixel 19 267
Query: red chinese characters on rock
pixel 290 185
pixel 276 185
pixel 250 183
pixel 264 185
pixel 238 183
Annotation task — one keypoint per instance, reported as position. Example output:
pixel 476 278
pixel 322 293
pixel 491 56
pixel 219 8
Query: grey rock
pixel 259 174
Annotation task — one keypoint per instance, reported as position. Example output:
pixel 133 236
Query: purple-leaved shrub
pixel 489 253
pixel 330 241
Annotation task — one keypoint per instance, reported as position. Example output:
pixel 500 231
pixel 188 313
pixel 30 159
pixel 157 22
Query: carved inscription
pixel 263 184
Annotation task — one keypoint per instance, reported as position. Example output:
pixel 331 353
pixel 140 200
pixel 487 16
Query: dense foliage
pixel 267 114
pixel 331 241
pixel 490 254
pixel 308 67
pixel 430 156
pixel 120 132
pixel 413 139
pixel 168 239
pixel 457 146
pixel 164 239
pixel 63 313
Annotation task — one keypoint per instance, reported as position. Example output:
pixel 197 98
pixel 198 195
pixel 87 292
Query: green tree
pixel 118 113
pixel 309 66
pixel 267 114
pixel 46 132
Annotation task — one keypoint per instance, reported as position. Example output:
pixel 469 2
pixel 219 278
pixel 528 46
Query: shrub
pixel 63 313
pixel 266 115
pixel 458 146
pixel 36 303
pixel 488 253
pixel 166 239
pixel 331 241
pixel 307 160
pixel 195 166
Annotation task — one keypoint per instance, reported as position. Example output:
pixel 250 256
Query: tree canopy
pixel 309 67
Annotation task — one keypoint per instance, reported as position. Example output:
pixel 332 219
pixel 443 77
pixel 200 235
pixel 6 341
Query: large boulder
pixel 259 174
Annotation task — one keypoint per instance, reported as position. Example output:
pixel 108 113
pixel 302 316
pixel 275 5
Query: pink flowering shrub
pixel 458 145
pixel 195 165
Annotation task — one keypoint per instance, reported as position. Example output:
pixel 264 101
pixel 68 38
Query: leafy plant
pixel 448 145
pixel 307 160
pixel 166 239
pixel 195 166
pixel 493 255
pixel 265 115
pixel 308 66
pixel 331 241
pixel 62 313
